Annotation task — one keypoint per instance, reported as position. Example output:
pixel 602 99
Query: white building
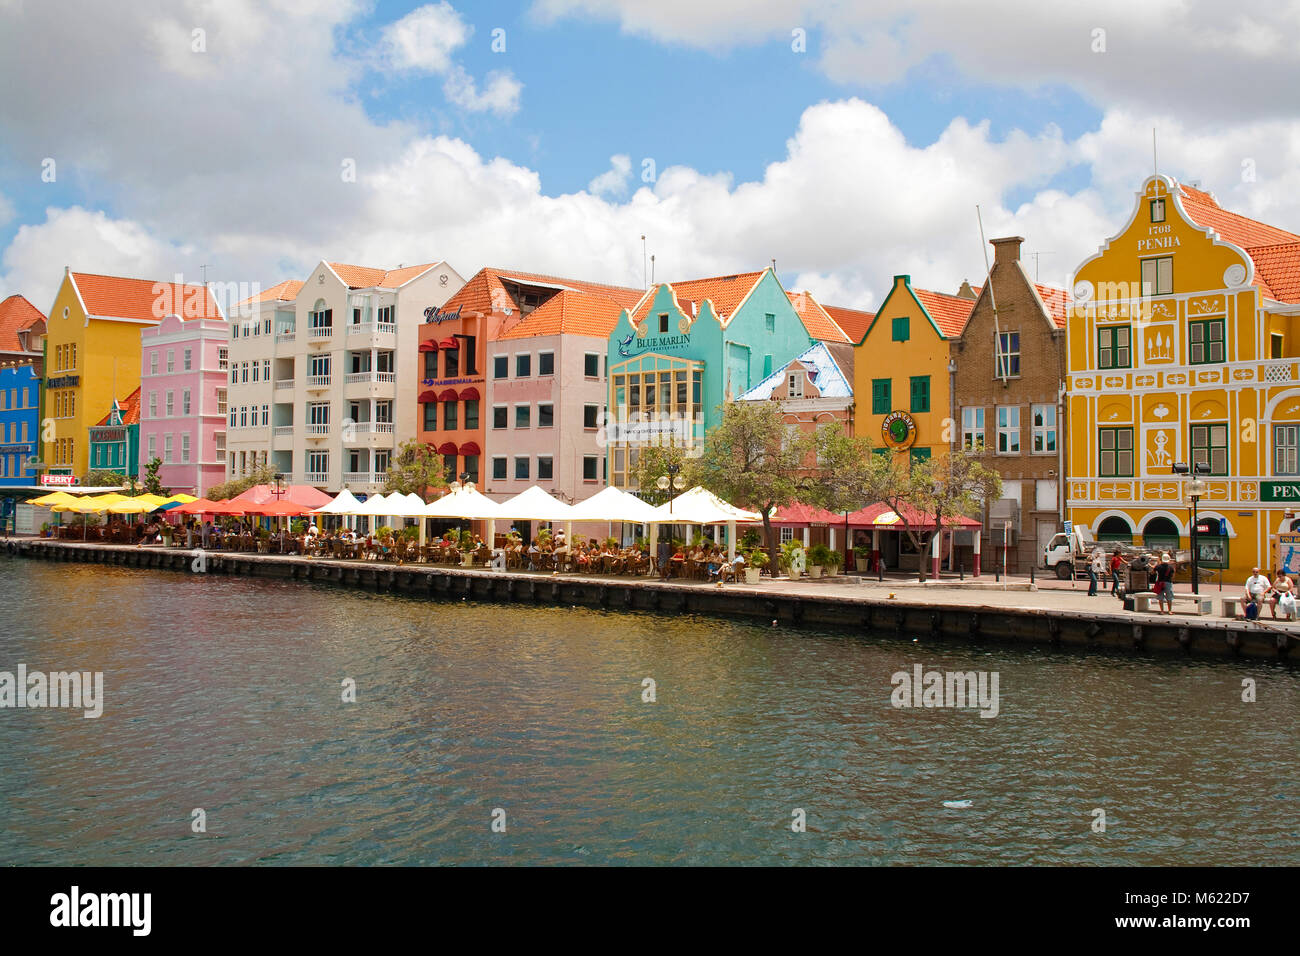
pixel 324 373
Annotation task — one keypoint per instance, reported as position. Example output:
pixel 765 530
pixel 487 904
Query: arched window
pixel 1160 533
pixel 1115 529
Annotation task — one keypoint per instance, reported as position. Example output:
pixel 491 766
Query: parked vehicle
pixel 1069 552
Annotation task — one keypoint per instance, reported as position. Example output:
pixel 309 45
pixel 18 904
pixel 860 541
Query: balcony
pixel 315 478
pixel 373 328
pixel 284 383
pixel 317 430
pixel 364 477
pixel 370 378
pixel 364 432
pixel 282 431
pixel 319 381
pixel 286 335
pixel 320 331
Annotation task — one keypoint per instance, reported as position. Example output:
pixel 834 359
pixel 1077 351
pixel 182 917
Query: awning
pixel 448 344
pixel 470 448
pixel 447 448
pixel 429 346
pixel 448 395
pixel 428 395
pixel 469 394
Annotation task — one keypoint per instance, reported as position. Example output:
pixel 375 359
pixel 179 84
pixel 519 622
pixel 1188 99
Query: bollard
pixel 1031 574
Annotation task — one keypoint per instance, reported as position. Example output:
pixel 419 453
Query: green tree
pixel 416 468
pixel 753 459
pixel 261 475
pixel 152 485
pixel 103 478
pixel 652 463
pixel 955 484
pixel 852 473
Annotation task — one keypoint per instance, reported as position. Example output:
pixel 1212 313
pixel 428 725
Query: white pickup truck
pixel 1070 551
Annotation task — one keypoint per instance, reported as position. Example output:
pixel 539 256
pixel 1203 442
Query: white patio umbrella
pixel 467 503
pixel 344 503
pixel 614 504
pixel 700 506
pixel 536 505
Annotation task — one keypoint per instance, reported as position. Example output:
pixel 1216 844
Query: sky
pixel 847 141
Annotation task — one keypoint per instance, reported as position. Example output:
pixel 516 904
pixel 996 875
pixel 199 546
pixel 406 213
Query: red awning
pixel 447 448
pixel 429 346
pixel 470 448
pixel 448 395
pixel 469 394
pixel 449 344
pixel 428 395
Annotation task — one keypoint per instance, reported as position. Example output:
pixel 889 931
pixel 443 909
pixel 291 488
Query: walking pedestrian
pixel 1165 571
pixel 1096 566
pixel 1116 562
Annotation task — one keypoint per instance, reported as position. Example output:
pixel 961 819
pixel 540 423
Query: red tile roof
pixel 130 410
pixel 16 314
pixel 364 277
pixel 1276 252
pixel 854 322
pixel 1056 301
pixel 725 292
pixel 119 298
pixel 820 324
pixel 485 292
pixel 285 291
pixel 570 311
pixel 949 312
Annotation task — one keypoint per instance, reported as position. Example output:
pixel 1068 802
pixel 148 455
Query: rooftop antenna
pixel 205 269
pixel 773 267
pixel 652 268
pixel 999 362
pixel 645 281
pixel 1155 163
pixel 1045 252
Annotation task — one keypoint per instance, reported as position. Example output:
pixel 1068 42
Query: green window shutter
pixel 880 397
pixel 920 393
pixel 901 329
pixel 767 365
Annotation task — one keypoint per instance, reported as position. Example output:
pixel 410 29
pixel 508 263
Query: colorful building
pixel 114 440
pixel 20 424
pixel 1184 348
pixel 688 347
pixel 1009 384
pixel 182 394
pixel 92 352
pixel 902 372
pixel 21 328
pixel 813 390
pixel 537 370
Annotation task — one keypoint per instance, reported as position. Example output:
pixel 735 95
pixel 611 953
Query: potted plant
pixel 756 559
pixel 832 561
pixel 789 551
pixel 263 539
pixel 298 526
pixel 465 545
pixel 819 558
pixel 611 543
pixel 45 530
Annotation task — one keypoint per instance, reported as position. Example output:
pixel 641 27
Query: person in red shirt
pixel 1116 562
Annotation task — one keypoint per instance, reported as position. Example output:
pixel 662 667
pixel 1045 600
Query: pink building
pixel 183 380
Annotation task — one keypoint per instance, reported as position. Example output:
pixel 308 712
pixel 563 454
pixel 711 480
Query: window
pixel 787 533
pixel 153 363
pixel 972 428
pixel 171 403
pixel 185 402
pixel 153 404
pixel 500 369
pixel 171 361
pixel 1006 357
pixel 591 365
pixel 769 319
pixel 471 467
pixel 901 329
pixel 243 372
pixel 1210 445
pixel 187 362
pixel 663 323
pixel 168 441
pixel 545 468
pixel 590 468
pixel 523 365
pixel 523 416
pixel 1008 430
pixel 266 370
pixel 1116 446
pixel 589 413
pixel 471 413
pixel 320 318
pixel 1275 345
pixel 1157 210
pixel 234 330
pixel 185 447
pixel 920 393
pixel 449 414
pixel 545 415
pixel 881 400
pixel 1205 341
pixel 266 415
pixel 500 415
pixel 451 362
pixel 521 468
pixel 386 315
pixel 499 469
pixel 223 359
pixel 545 363
pixel 1114 347
pixel 256 371
pixel 794 387
pixel 153 447
pixel 1158 276
pixel 243 416
pixel 1286 449
pixel 430 416
pixel 1044 429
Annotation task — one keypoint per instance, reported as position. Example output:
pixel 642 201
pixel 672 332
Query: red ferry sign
pixel 65 480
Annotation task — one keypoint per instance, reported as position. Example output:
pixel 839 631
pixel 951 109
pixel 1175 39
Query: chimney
pixel 966 292
pixel 1007 249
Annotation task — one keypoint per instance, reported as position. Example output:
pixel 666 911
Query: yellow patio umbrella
pixel 53 498
pixel 131 506
pixel 182 499
pixel 94 504
pixel 155 500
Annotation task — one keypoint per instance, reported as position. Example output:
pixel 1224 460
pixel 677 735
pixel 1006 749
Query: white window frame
pixel 1010 431
pixel 974 430
pixel 1043 431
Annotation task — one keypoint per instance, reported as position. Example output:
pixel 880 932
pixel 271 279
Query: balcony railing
pixel 319 381
pixel 320 331
pixel 315 478
pixel 360 431
pixel 362 328
pixel 282 431
pixel 317 430
pixel 285 335
pixel 284 383
pixel 368 378
pixel 364 477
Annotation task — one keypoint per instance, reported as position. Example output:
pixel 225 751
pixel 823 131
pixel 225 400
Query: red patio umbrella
pixel 276 509
pixel 201 506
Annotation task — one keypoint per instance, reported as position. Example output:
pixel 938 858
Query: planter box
pixel 751 575
pixel 815 571
pixel 467 560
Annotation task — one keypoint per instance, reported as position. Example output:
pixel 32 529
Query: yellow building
pixel 92 355
pixel 1184 347
pixel 901 370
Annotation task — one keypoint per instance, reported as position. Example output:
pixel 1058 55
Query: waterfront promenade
pixel 1013 610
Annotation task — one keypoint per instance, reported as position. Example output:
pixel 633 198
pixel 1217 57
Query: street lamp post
pixel 278 478
pixel 671 482
pixel 1195 491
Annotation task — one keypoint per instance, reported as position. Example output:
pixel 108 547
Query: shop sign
pixel 898 430
pixel 434 315
pixel 65 480
pixel 1279 491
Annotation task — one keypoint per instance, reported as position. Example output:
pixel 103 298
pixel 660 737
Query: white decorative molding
pixel 1234 276
pixel 1083 291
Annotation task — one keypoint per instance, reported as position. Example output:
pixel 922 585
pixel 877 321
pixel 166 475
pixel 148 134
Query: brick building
pixel 1010 371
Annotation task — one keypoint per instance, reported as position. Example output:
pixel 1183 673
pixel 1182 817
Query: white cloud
pixel 500 95
pixel 613 181
pixel 425 38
